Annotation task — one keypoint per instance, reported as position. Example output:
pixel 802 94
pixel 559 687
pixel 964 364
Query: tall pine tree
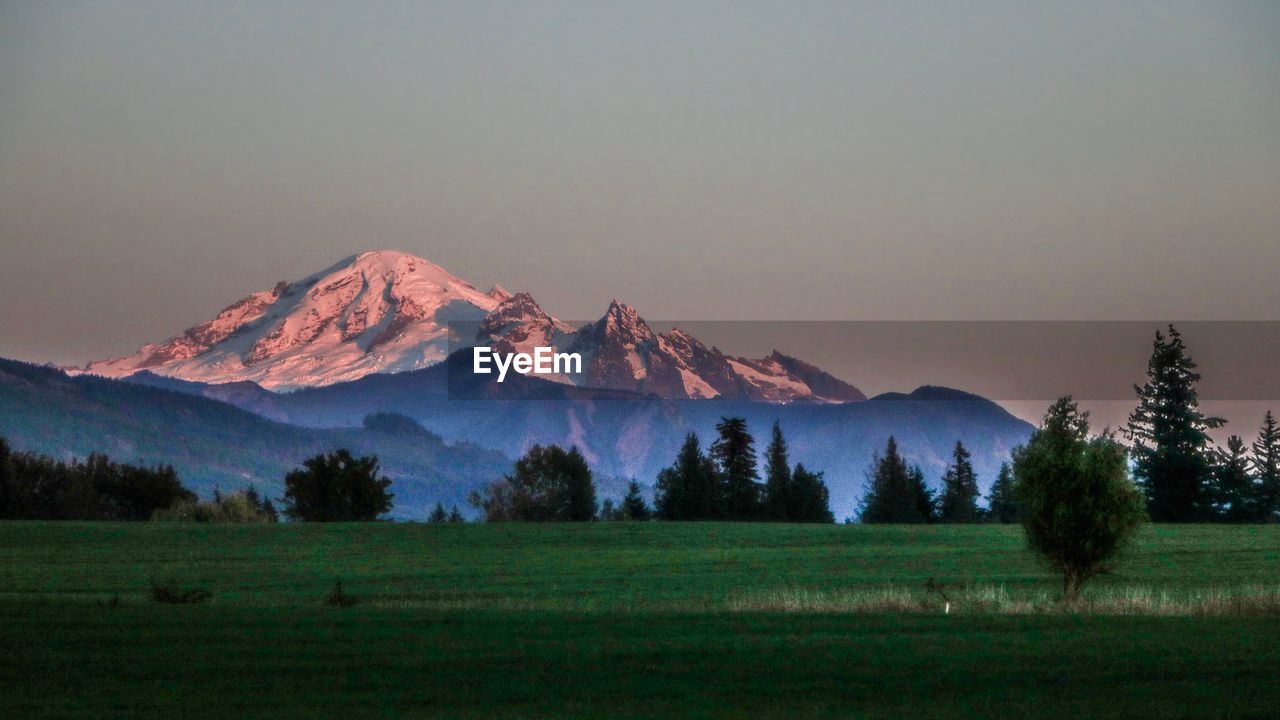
pixel 959 502
pixel 1003 502
pixel 1266 466
pixel 633 505
pixel 1236 500
pixel 810 500
pixel 688 489
pixel 735 455
pixel 1171 445
pixel 895 493
pixel 778 500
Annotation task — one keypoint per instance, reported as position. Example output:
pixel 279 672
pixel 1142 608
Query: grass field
pixel 619 620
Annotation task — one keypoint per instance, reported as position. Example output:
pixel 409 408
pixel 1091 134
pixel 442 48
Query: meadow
pixel 629 620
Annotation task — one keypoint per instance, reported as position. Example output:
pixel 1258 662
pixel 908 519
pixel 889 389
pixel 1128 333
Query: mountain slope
pixel 213 444
pixel 381 311
pixel 629 434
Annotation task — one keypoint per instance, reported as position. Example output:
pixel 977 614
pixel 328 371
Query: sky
pixel 699 160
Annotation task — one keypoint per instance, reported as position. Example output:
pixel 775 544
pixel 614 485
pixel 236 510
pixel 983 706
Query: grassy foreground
pixel 619 620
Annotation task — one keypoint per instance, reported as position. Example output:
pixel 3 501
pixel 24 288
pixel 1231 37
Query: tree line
pixel 327 488
pixel 551 483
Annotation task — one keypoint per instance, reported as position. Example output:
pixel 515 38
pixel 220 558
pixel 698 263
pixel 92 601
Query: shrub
pixel 238 507
pixel 338 598
pixel 179 596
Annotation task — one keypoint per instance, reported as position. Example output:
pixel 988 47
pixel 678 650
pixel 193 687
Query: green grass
pixel 622 620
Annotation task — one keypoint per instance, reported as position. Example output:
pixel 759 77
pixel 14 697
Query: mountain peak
pixel 499 293
pixel 379 311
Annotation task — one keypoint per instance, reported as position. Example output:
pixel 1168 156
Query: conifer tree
pixel 1004 505
pixel 1171 444
pixel 810 500
pixel 633 505
pixel 1266 467
pixel 1236 499
pixel 895 493
pixel 437 515
pixel 779 500
pixel 455 515
pixel 959 502
pixel 8 489
pixel 735 455
pixel 688 489
pixel 926 502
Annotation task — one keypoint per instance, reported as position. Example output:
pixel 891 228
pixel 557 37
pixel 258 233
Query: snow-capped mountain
pixel 377 312
pixel 620 351
pixel 387 312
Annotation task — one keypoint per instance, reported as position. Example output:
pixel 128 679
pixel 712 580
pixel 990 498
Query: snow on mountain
pixel 381 311
pixel 621 351
pixel 387 312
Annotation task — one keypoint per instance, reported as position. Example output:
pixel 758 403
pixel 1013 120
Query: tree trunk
pixel 1070 586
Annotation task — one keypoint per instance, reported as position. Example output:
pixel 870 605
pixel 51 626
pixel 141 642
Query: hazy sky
pixel 781 160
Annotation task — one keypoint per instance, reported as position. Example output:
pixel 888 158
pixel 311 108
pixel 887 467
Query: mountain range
pixel 359 356
pixel 388 312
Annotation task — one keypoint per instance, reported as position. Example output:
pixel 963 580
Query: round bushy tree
pixel 1079 506
pixel 336 488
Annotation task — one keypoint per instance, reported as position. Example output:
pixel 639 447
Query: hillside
pixel 213 444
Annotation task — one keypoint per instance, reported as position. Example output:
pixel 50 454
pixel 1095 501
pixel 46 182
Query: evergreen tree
pixel 735 455
pixel 1080 508
pixel 959 503
pixel 437 515
pixel 779 500
pixel 263 504
pixel 1236 499
pixel 895 492
pixel 8 484
pixel 1171 445
pixel 1266 466
pixel 687 489
pixel 580 488
pixel 926 503
pixel 810 500
pixel 633 505
pixel 455 515
pixel 1004 504
pixel 608 513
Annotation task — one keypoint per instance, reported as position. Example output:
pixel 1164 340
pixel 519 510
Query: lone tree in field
pixel 895 492
pixel 1266 466
pixel 548 483
pixel 1236 499
pixel 959 502
pixel 735 454
pixel 1004 506
pixel 1080 506
pixel 688 490
pixel 337 488
pixel 1172 453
